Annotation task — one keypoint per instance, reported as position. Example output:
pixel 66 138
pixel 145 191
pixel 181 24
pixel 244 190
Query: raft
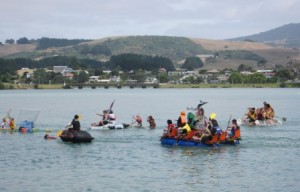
pixel 109 126
pixel 76 136
pixel 192 143
pixel 261 123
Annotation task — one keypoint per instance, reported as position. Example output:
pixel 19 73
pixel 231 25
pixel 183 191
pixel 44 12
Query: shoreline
pixel 162 85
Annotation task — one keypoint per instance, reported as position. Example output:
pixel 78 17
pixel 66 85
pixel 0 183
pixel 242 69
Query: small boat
pixel 76 136
pixel 109 126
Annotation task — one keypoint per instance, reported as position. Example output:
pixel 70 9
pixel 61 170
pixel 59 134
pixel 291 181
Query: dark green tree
pixel 10 41
pixel 192 63
pixel 23 40
pixel 82 77
pixel 235 78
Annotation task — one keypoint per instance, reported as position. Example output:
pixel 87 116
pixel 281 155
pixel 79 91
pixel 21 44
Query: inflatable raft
pixel 192 143
pixel 76 136
pixel 109 126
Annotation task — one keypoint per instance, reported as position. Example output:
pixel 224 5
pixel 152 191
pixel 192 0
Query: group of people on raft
pixel 8 123
pixel 196 127
pixel 108 117
pixel 264 114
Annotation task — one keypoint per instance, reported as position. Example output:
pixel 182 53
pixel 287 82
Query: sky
pixel 95 19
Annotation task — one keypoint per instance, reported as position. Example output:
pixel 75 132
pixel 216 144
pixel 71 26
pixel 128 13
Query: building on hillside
pixel 27 71
pixel 59 69
pixel 268 73
pixel 62 69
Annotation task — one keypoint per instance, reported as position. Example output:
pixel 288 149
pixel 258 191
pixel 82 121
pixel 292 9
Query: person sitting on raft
pixel 151 121
pixel 12 124
pixel 231 129
pixel 103 121
pixel 75 124
pixel 171 130
pixel 181 120
pixel 211 129
pixel 269 112
pixel 186 129
pixel 251 115
pixel 260 114
pixel 4 124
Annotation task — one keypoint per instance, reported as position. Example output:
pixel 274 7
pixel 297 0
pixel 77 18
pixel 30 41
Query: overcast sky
pixel 94 19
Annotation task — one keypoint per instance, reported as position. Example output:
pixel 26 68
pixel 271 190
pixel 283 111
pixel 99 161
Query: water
pixel 133 160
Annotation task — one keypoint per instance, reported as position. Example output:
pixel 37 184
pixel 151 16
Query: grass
pixel 271 85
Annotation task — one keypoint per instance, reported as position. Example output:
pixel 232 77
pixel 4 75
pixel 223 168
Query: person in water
pixel 151 122
pixel 75 124
pixel 49 137
pixel 138 120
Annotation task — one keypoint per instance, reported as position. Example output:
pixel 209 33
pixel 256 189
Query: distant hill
pixel 286 36
pixel 229 53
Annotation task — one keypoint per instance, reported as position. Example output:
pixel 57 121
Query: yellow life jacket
pixel 187 127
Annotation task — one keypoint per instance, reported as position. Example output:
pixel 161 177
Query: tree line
pixel 125 62
pixel 45 42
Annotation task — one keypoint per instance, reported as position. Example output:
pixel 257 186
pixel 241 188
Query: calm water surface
pixel 268 159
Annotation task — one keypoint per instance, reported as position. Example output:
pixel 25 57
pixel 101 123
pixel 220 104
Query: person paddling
pixel 75 124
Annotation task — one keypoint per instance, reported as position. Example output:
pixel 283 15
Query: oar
pixel 282 118
pixel 131 121
pixel 59 133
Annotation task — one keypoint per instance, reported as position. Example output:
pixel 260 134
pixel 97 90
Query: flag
pixel 111 105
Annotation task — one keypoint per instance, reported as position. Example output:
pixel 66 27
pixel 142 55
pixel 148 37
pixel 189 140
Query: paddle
pixel 59 133
pixel 131 121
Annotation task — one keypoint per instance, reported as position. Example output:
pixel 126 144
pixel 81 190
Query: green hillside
pixel 174 48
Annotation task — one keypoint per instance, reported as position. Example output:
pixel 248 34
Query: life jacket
pixel 237 133
pixel 214 139
pixel 223 136
pixel 173 132
pixel 182 118
pixel 191 134
pixel 187 127
pixel 252 116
